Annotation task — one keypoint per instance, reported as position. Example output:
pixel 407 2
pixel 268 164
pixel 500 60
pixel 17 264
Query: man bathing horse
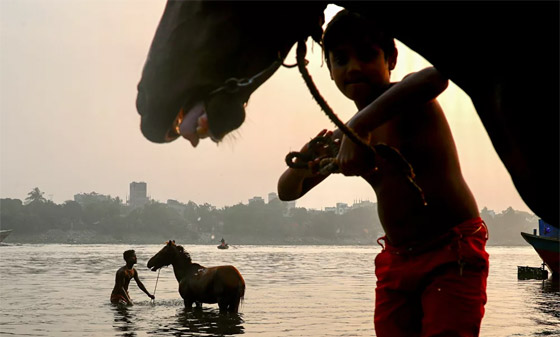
pixel 198 284
pixel 122 279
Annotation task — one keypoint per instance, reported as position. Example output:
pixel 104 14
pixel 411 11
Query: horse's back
pixel 230 275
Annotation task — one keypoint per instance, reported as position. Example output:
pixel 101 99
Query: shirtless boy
pixel 432 271
pixel 122 279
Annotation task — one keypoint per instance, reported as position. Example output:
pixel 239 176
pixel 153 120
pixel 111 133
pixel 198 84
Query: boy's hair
pixel 353 28
pixel 128 254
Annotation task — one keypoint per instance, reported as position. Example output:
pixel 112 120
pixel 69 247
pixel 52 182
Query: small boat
pixel 223 244
pixel 4 234
pixel 547 245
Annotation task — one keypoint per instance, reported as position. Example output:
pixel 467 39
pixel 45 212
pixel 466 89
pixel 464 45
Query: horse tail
pixel 241 291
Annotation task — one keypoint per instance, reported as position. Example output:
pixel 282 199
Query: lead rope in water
pixel 155 287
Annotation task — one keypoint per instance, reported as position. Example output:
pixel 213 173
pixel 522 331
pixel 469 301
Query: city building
pixel 290 204
pixel 256 200
pixel 341 208
pixel 362 203
pixel 272 196
pixel 330 209
pixel 138 196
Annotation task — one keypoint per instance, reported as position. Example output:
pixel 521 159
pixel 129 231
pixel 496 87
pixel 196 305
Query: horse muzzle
pixel 152 266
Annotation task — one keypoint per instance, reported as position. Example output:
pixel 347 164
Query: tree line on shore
pixel 109 220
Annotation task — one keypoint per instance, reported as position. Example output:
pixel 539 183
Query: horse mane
pixel 185 253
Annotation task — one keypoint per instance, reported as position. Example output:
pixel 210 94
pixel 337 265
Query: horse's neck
pixel 183 267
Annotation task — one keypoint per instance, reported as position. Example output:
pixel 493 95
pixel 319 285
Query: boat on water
pixel 4 233
pixel 547 245
pixel 223 244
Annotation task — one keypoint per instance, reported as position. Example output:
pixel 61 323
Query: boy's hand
pixel 354 159
pixel 321 151
pixel 315 153
pixel 152 297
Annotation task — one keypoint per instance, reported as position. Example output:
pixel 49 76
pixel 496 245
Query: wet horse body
pixel 197 284
pixel 504 55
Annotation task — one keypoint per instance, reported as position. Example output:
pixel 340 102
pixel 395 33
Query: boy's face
pixel 360 72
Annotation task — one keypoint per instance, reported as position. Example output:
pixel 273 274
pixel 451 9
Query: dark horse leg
pixel 188 304
pixel 229 303
pixel 234 305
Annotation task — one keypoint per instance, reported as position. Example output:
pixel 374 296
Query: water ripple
pixel 63 290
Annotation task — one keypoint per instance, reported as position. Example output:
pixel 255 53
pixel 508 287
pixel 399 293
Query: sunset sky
pixel 68 121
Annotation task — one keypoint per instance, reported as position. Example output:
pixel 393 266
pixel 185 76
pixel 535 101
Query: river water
pixel 63 290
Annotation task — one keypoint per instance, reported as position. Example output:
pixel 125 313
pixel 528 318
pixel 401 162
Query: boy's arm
pixel 141 285
pixel 414 89
pixel 294 183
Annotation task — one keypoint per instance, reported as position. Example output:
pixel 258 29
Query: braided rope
pixel 329 165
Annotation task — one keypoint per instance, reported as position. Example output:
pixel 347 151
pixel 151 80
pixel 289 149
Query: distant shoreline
pixel 85 237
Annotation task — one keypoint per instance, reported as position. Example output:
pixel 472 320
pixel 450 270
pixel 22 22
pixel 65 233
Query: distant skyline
pixel 245 201
pixel 68 122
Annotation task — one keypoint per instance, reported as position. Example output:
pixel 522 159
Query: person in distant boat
pixel 433 267
pixel 122 279
pixel 223 243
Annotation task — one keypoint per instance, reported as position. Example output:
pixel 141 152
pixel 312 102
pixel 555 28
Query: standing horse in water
pixel 197 284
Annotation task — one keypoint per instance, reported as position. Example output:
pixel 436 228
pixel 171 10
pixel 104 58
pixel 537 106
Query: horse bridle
pixel 327 165
pixel 233 85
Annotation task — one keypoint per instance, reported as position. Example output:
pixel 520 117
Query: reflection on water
pixel 547 301
pixel 205 321
pixel 124 320
pixel 202 322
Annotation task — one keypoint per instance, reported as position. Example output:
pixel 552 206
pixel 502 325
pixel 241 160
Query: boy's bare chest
pixel 403 132
pixel 388 133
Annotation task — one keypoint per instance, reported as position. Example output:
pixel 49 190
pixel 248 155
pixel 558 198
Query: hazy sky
pixel 68 122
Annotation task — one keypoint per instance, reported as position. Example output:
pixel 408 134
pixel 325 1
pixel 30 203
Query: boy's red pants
pixel 436 289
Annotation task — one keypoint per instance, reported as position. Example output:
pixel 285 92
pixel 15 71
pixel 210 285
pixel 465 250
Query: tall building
pixel 256 200
pixel 272 196
pixel 138 196
pixel 341 208
pixel 290 204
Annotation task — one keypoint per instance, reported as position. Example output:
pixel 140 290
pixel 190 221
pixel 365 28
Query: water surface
pixel 63 290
